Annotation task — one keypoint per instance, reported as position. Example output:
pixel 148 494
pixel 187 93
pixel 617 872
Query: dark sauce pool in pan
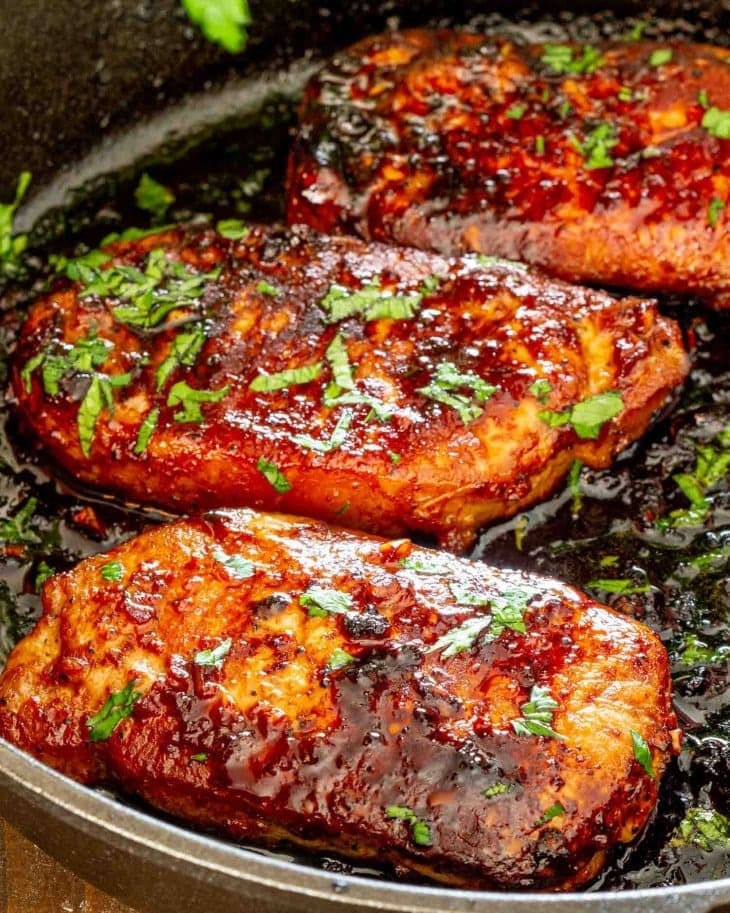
pixel 603 532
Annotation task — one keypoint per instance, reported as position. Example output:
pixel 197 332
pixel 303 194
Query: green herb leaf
pixel 336 355
pixel 117 707
pixel 268 383
pixel 589 416
pixel 274 476
pixel 238 567
pixel 638 30
pixel 703 98
pixel 146 430
pixel 461 638
pixel 576 467
pixel 625 93
pixel 383 412
pixel 339 659
pixel 98 398
pixel 420 831
pixel 619 586
pixel 215 655
pixel 561 58
pixel 596 145
pixel 498 789
pixel 322 602
pixel 191 400
pixel 184 350
pixel 659 57
pixel 266 288
pixel 223 22
pixel 371 302
pixel 704 828
pixel 541 390
pixel 714 209
pixel 485 262
pixel 435 565
pixel 83 357
pixel 153 197
pixel 697 653
pixel 201 758
pixel 12 245
pixel 447 379
pixel 642 753
pixel 537 715
pixel 717 122
pixel 43 573
pixel 516 112
pixel 336 439
pixel 112 571
pixel 555 811
pixel 16 530
pixel 150 294
pixel 233 229
pixel 540 145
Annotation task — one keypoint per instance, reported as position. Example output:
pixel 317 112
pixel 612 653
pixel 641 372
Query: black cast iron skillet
pixel 80 82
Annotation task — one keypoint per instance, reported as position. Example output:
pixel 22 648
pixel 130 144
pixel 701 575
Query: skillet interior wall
pixel 72 73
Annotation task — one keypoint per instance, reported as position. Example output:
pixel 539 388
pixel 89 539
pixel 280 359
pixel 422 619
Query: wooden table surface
pixel 32 882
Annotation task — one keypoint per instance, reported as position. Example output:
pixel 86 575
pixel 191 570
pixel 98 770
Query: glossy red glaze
pixel 273 745
pixel 424 467
pixel 454 141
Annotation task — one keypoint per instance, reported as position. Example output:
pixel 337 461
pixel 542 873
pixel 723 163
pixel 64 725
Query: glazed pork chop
pixel 606 164
pixel 276 679
pixel 383 389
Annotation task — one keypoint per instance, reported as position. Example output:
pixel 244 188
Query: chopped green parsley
pixel 555 811
pixel 335 440
pixel 704 828
pixel 117 707
pixel 541 390
pixel 420 831
pixel 233 229
pixel 587 417
pixel 153 197
pixel 516 112
pixel 184 350
pixel 12 244
pixel 618 586
pixel 715 207
pixel 642 753
pixel 268 383
pixel 214 656
pixel 339 659
pixel 595 147
pixel 322 602
pixel 146 430
pixel 659 57
pixel 190 401
pixel 17 530
pixel 717 122
pixel 112 571
pixel 238 567
pixel 563 59
pixel 224 22
pixel 371 302
pixel 273 475
pixel 447 380
pixel 498 789
pixel 537 715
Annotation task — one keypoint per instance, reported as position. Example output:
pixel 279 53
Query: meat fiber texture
pixel 383 389
pixel 276 679
pixel 606 164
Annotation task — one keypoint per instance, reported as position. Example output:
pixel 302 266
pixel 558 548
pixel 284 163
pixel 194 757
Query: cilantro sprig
pixel 506 611
pixel 12 244
pixel 596 145
pixel 712 464
pixel 153 197
pixel 117 707
pixel 587 417
pixel 563 59
pixel 224 22
pixel 420 831
pixel 447 380
pixel 322 601
pixel 213 657
pixel 17 530
pixel 705 828
pixel 537 715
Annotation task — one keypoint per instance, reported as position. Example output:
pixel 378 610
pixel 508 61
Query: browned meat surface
pixel 382 389
pixel 277 679
pixel 606 164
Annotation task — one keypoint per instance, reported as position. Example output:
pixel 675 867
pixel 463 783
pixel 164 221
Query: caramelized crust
pixel 272 742
pixel 454 141
pixel 404 461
